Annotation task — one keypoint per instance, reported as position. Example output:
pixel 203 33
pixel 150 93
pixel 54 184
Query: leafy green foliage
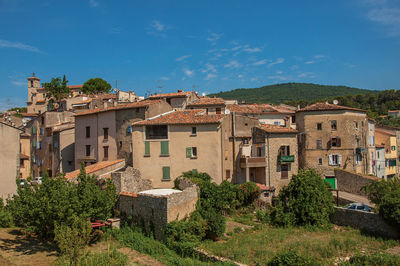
pixel 285 92
pixel 112 257
pixel 290 258
pixel 249 192
pixel 96 86
pixel 6 219
pixel 72 240
pixel 305 201
pixel 57 88
pixel 383 259
pixel 57 201
pixel 386 196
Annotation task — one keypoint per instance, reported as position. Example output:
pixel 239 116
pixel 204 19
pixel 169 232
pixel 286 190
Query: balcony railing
pixel 286 158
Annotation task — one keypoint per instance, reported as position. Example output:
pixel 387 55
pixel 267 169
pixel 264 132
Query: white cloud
pixel 213 37
pixel 306 75
pixel 21 46
pixel 279 72
pixel 233 64
pixel 310 62
pixel 254 79
pixel 252 50
pixel 278 61
pixel 389 17
pixel 231 49
pixel 164 78
pixel 183 57
pixel 209 68
pixel 278 77
pixel 158 29
pixel 210 76
pixel 260 62
pixel 158 26
pixel 93 3
pixel 319 56
pixel 294 67
pixel 19 83
pixel 240 76
pixel 188 72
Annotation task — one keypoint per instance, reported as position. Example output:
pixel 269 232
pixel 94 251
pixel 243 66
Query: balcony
pixel 286 158
pixel 253 162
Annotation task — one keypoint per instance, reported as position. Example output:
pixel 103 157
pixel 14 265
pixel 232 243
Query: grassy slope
pixel 324 246
pixel 280 93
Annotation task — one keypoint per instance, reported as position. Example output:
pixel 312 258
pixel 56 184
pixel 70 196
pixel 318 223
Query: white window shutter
pixel 330 160
pixel 339 159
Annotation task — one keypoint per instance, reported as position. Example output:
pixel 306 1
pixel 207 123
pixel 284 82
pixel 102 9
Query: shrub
pixel 111 257
pixel 305 201
pixel 374 259
pixel 215 223
pixel 249 192
pixel 263 216
pixel 291 258
pixel 6 219
pixel 56 201
pixel 72 240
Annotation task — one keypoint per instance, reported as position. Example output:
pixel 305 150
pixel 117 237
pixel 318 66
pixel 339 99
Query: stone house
pixel 380 161
pixel 9 159
pixel 333 136
pixel 395 131
pixel 266 113
pixel 40 130
pixel 63 148
pixel 178 100
pixel 172 143
pixel 271 158
pixel 211 105
pixel 105 134
pixel 25 155
pixel 388 140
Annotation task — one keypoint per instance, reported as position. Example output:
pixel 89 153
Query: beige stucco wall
pixel 207 141
pixel 346 131
pixel 9 160
pixel 388 141
pixel 25 166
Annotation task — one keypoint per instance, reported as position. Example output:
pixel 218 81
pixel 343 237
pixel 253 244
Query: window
pixel 166 173
pixel 277 123
pixel 129 130
pixel 335 159
pixel 218 110
pixel 334 125
pixel 335 142
pixel 87 150
pixel 42 120
pixel 48 132
pixel 147 148
pixel 50 148
pixel 319 126
pixel 31 81
pixel 157 132
pixel 370 140
pixel 191 152
pixel 393 148
pixel 285 151
pixel 293 119
pixel 370 127
pixel 358 158
pixel 69 163
pixel 356 125
pixel 105 133
pixel 105 148
pixel 33 130
pixel 41 131
pixel 319 144
pixel 164 148
pixel 87 132
pixel 319 161
pixel 284 171
pixel 228 174
pixel 194 130
pixel 245 141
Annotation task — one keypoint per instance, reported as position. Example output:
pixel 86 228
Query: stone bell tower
pixel 36 96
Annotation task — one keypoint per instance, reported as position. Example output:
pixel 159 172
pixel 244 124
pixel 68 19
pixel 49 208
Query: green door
pixel 332 182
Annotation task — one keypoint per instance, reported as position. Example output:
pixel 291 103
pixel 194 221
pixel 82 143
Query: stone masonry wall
pixel 130 180
pixel 368 221
pixel 352 182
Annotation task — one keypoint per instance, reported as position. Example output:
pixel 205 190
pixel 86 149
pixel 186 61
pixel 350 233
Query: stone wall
pixel 352 182
pixel 130 180
pixel 367 221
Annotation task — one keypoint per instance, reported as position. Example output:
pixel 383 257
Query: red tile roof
pixel 258 109
pixel 128 194
pixel 384 132
pixel 63 127
pixel 41 101
pixel 83 102
pixel 29 114
pixel 119 107
pixel 202 101
pixel 171 95
pixel 91 169
pixel 277 129
pixel 328 107
pixel 34 78
pixel 182 117
pixel 263 187
pixel 23 157
pixel 75 87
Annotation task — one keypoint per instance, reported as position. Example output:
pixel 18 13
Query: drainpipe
pixel 234 175
pixel 269 163
pixel 222 151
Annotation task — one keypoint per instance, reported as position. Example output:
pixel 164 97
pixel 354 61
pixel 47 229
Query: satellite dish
pixel 335 102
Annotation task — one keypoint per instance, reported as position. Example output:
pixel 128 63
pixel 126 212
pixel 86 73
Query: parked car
pixel 37 181
pixel 359 207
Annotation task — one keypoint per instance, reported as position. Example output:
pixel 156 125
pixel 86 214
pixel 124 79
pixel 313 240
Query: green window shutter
pixel 33 130
pixel 166 172
pixel 188 152
pixel 34 143
pixel 164 148
pixel 147 148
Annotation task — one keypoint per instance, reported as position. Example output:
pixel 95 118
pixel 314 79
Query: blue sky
pixel 206 45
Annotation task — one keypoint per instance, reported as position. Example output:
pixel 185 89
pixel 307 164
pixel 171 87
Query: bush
pixel 386 196
pixel 305 201
pixel 72 240
pixel 215 223
pixel 291 258
pixel 263 216
pixel 374 260
pixel 57 201
pixel 6 219
pixel 249 192
pixel 109 258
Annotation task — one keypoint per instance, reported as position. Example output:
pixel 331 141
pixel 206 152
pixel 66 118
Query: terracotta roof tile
pixel 23 157
pixel 41 101
pixel 83 102
pixel 207 101
pixel 258 109
pixel 29 114
pixel 171 95
pixel 328 107
pixel 128 194
pixel 119 107
pixel 63 127
pixel 182 117
pixel 92 168
pixel 277 129
pixel 384 132
pixel 74 87
pixel 263 187
pixel 34 78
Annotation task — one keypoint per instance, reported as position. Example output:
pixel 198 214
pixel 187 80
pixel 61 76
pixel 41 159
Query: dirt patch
pixel 21 249
pixel 394 250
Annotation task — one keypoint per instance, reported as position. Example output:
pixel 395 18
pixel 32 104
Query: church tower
pixel 36 96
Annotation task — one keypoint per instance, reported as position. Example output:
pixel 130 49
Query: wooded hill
pixel 290 92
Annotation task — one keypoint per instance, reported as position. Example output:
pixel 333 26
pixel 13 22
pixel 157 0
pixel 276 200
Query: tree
pixel 57 89
pixel 305 201
pixel 96 86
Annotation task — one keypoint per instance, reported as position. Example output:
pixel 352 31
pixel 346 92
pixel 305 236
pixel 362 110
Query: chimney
pixel 288 121
pixel 180 90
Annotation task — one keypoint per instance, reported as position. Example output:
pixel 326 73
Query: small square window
pixel 194 131
pixel 319 161
pixel 319 144
pixel 87 150
pixel 334 125
pixel 319 126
